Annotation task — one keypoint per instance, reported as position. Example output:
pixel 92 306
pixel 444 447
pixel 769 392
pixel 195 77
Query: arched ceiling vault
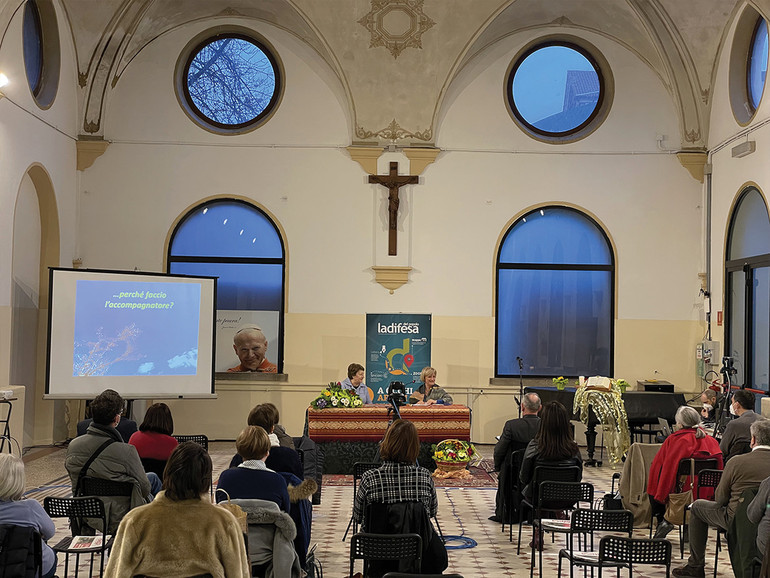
pixel 395 59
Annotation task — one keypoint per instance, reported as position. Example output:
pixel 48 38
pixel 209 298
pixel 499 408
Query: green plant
pixel 336 397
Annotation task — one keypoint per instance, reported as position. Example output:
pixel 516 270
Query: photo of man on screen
pixel 250 345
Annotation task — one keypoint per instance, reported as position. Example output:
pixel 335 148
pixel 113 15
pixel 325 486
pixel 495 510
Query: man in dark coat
pixel 517 433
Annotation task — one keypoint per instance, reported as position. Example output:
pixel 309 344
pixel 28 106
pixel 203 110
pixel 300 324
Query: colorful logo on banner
pixel 398 348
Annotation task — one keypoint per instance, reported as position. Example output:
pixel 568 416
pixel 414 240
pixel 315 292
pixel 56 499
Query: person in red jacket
pixel 154 439
pixel 689 441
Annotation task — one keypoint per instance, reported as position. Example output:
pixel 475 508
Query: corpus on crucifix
pixel 393 183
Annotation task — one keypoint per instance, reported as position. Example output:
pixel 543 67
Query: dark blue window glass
pixel 32 34
pixel 242 247
pixel 555 89
pixel 747 272
pixel 231 81
pixel 757 69
pixel 555 277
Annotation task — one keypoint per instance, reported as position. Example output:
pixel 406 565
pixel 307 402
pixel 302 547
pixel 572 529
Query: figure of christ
pixel 393 182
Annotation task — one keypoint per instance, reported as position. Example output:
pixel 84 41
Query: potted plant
pixel 560 382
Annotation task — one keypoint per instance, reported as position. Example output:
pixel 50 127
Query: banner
pixel 397 349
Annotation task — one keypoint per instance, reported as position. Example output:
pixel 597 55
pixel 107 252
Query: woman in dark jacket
pixel 554 445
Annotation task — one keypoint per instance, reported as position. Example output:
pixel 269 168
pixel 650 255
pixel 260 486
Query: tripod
pixel 722 413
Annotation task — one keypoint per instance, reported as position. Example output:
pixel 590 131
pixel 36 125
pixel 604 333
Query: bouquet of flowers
pixel 336 397
pixel 560 382
pixel 455 452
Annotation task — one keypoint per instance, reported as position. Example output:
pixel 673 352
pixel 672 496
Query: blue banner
pixel 397 349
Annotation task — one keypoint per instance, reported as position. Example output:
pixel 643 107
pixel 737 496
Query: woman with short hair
pixel 16 511
pixel 429 393
pixel 688 441
pixel 355 382
pixel 154 440
pixel 180 533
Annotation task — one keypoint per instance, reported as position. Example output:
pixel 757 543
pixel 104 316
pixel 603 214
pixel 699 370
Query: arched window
pixel 555 296
pixel 239 244
pixel 747 271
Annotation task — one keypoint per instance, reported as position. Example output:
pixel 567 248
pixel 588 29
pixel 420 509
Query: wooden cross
pixel 393 183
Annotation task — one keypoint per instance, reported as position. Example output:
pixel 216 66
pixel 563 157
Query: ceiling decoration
pixel 393 132
pixel 396 24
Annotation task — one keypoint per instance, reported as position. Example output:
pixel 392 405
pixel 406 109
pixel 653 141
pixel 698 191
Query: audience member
pixel 710 400
pixel 126 427
pixel 180 533
pixel 517 433
pixel 355 382
pixel 736 437
pixel 741 473
pixel 281 459
pixel 554 445
pixel 154 439
pixel 101 453
pixel 279 437
pixel 689 441
pixel 16 511
pixel 429 393
pixel 759 513
pixel 250 345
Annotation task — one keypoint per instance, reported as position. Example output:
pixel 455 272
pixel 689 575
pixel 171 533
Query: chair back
pixel 635 551
pixel 589 520
pixel 406 549
pixel 81 511
pixel 684 470
pixel 709 478
pixel 21 552
pixel 553 474
pixel 563 495
pixel 90 486
pixel 199 439
pixel 153 465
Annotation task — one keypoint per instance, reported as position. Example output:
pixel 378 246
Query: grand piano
pixel 642 408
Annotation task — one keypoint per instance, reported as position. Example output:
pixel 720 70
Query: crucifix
pixel 393 182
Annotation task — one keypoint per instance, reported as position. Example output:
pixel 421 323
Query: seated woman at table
pixel 355 381
pixel 16 511
pixel 689 441
pixel 429 393
pixel 554 445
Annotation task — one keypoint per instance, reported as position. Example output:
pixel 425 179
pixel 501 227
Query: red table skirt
pixel 434 423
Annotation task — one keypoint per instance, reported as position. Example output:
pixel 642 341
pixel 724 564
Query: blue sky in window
pixel 556 88
pixel 758 64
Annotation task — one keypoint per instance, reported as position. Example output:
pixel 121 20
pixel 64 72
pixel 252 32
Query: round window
pixel 230 82
pixel 756 71
pixel 40 44
pixel 748 65
pixel 556 90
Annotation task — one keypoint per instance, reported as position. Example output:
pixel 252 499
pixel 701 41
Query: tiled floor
pixel 463 514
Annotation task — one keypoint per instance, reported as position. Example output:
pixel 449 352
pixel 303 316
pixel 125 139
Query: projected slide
pixel 136 328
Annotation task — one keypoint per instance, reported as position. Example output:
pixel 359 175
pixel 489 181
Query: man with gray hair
pixel 250 345
pixel 517 433
pixel 741 473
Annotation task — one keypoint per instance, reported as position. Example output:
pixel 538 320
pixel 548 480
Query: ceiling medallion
pixel 393 132
pixel 396 24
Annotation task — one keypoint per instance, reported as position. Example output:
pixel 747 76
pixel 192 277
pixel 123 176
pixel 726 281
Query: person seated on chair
pixel 710 400
pixel 759 513
pixel 517 433
pixel 180 533
pixel 554 445
pixel 741 473
pixel 688 441
pixel 154 440
pixel 126 427
pixel 429 393
pixel 736 438
pixel 112 459
pixel 355 382
pixel 16 511
pixel 281 459
pixel 279 433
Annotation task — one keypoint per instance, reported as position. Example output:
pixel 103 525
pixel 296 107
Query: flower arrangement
pixel 560 382
pixel 454 452
pixel 622 384
pixel 333 396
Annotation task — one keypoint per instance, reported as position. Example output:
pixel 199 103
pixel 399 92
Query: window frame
pixel 191 50
pixel 239 260
pixel 749 55
pixel 746 28
pixel 748 265
pixel 47 27
pixel 606 89
pixel 611 268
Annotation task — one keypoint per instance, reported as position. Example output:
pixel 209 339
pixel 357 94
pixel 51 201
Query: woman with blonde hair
pixel 689 441
pixel 429 393
pixel 16 511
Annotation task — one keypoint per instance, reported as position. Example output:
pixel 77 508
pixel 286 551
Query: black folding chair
pixel 101 488
pixel 153 465
pixel 585 523
pixel 21 552
pixel 199 439
pixel 404 548
pixel 512 492
pixel 359 469
pixel 543 473
pixel 77 510
pixel 616 551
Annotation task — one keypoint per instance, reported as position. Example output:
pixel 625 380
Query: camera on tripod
pixel 727 366
pixel 397 394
